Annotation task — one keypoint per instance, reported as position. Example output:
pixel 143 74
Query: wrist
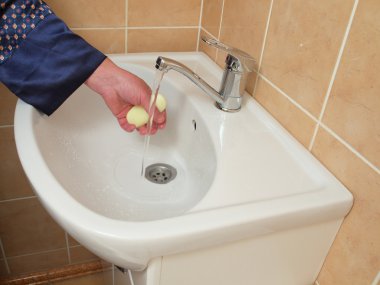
pixel 103 79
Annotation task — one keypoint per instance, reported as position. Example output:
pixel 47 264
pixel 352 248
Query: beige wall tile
pixel 221 58
pixel 211 16
pixel 107 41
pixel 210 51
pixel 251 82
pixel 148 13
pixel 7 107
pixel 38 262
pixel 13 182
pixel 353 109
pixel 25 227
pixel 292 118
pixel 90 13
pixel 243 25
pixel 79 254
pixel 153 40
pixel 302 46
pixel 354 257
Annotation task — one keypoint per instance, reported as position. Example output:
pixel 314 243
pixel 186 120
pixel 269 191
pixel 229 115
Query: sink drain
pixel 160 173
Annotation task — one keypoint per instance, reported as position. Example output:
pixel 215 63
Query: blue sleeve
pixel 49 65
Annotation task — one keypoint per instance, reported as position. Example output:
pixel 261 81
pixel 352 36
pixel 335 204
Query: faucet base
pixel 220 107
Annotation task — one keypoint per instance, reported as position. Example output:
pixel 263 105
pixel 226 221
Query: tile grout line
pixel 161 27
pixel 220 29
pixel 67 247
pixel 37 252
pixel 17 199
pixel 126 28
pixel 132 28
pixel 376 281
pixel 5 257
pixel 265 35
pixel 353 150
pixel 221 21
pixel 97 28
pixel 199 25
pixel 288 97
pixel 334 73
pixel 207 32
pixel 263 45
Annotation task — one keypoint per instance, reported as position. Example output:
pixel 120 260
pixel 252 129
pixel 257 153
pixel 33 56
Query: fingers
pixel 142 130
pixel 145 129
pixel 125 125
pixel 159 123
pixel 159 117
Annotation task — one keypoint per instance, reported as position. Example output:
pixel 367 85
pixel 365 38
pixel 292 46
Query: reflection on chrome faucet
pixel 238 65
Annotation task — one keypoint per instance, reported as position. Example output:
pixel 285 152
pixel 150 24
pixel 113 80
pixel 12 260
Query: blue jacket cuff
pixel 49 65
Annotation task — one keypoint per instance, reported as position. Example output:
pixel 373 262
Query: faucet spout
pixel 165 64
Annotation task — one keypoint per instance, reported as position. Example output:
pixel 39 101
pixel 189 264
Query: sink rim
pixel 135 243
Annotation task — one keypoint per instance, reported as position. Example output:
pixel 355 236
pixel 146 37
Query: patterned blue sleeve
pixel 41 60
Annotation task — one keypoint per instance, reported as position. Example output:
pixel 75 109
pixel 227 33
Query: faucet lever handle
pixel 245 60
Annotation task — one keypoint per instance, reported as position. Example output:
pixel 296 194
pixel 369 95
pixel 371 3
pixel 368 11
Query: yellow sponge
pixel 160 102
pixel 139 117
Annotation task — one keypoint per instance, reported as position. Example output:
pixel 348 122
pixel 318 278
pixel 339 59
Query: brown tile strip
pixel 58 274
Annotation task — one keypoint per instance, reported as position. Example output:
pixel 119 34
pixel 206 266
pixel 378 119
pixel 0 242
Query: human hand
pixel 121 90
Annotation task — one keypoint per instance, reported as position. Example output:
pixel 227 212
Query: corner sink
pixel 239 175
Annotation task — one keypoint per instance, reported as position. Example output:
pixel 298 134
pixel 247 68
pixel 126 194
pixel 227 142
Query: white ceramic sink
pixel 239 175
pixel 99 164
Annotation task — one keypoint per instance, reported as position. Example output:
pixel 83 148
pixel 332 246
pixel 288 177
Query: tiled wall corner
pixel 203 47
pixel 318 66
pixel 244 24
pixel 241 24
pixel 212 16
pixel 292 118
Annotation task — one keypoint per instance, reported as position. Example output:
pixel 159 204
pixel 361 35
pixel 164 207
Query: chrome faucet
pixel 238 65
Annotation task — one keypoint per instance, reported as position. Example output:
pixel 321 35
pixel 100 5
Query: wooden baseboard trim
pixel 57 274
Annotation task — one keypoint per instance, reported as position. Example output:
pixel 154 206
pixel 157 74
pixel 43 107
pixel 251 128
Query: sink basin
pixel 239 175
pixel 99 165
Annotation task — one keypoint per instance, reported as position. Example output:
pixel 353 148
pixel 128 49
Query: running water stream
pixel 152 108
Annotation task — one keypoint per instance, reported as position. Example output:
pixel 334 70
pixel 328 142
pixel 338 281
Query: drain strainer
pixel 160 173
